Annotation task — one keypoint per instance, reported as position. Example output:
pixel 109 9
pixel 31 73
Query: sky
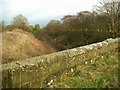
pixel 42 11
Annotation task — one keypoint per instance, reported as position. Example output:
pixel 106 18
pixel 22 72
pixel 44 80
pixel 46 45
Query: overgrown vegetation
pixel 103 73
pixel 75 30
pixel 72 31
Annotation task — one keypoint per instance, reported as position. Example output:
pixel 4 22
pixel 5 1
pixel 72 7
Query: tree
pixel 54 28
pixel 20 22
pixel 36 27
pixel 111 10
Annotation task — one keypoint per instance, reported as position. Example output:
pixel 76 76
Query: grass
pixel 103 73
pixel 18 44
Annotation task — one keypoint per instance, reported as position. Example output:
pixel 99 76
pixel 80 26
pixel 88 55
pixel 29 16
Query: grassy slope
pixel 100 74
pixel 18 44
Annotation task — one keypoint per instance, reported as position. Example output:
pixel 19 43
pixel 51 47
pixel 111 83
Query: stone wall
pixel 42 70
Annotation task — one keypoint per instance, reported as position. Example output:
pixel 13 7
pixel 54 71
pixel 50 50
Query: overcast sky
pixel 41 11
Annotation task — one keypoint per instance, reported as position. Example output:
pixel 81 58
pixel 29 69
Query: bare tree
pixel 111 9
pixel 20 21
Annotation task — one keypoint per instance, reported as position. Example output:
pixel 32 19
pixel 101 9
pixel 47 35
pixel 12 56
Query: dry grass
pixel 18 44
pixel 101 74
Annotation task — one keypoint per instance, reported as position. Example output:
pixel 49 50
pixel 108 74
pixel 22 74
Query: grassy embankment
pixel 103 73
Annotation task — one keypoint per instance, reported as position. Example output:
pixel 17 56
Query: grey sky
pixel 41 11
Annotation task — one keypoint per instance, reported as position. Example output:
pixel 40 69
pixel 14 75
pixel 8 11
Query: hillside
pixel 90 66
pixel 18 44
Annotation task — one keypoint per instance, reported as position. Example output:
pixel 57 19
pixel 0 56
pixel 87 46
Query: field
pixel 103 73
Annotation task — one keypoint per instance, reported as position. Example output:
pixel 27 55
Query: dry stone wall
pixel 43 70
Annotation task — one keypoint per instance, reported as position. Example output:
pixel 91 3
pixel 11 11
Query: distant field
pixel 103 73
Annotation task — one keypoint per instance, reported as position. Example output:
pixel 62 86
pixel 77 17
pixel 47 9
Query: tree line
pixel 75 30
